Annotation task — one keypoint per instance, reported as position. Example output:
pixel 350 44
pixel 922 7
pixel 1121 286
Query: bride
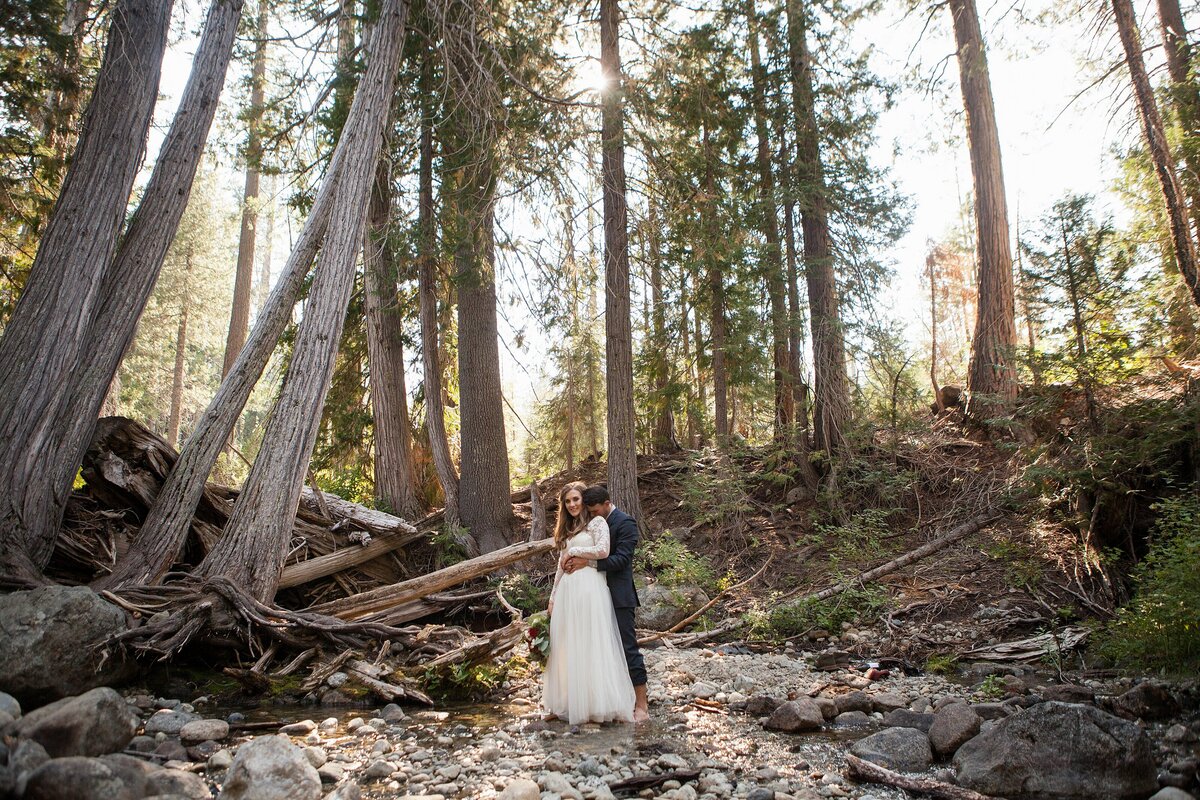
pixel 586 678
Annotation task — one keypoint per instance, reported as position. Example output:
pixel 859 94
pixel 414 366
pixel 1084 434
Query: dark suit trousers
pixel 633 653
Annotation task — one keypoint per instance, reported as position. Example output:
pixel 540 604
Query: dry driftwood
pixel 377 522
pixel 377 601
pixel 873 773
pixel 639 782
pixel 1032 648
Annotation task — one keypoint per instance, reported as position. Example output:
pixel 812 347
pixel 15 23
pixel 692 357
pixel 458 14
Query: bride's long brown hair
pixel 567 526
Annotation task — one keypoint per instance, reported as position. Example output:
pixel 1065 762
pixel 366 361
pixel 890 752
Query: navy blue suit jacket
pixel 618 567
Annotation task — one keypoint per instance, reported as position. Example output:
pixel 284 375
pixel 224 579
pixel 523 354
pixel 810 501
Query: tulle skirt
pixel 586 678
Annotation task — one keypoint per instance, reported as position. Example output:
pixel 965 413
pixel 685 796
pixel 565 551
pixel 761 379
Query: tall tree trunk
pixel 663 436
pixel 262 288
pixel 484 491
pixel 1156 142
pixel 47 332
pixel 930 266
pixel 435 414
pixel 716 290
pixel 772 257
pixel 239 317
pixel 622 442
pixel 1186 96
pixel 831 404
pixel 164 531
pixel 689 407
pixel 992 375
pixel 256 538
pixel 180 351
pixel 394 483
pixel 1075 295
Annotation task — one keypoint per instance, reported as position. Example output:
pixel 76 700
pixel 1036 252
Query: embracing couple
pixel 594 672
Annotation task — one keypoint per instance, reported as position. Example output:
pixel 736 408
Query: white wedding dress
pixel 586 678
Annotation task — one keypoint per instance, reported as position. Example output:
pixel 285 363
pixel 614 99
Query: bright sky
pixel 1033 82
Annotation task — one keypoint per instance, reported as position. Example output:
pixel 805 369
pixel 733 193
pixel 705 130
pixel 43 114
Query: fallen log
pixel 343 558
pixel 373 520
pixel 362 606
pixel 1032 648
pixel 867 772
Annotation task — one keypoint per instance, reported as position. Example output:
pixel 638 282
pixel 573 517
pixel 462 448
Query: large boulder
pixel 271 768
pixel 50 643
pixel 113 777
pixel 953 725
pixel 796 716
pixel 92 724
pixel 666 606
pixel 1062 751
pixel 902 749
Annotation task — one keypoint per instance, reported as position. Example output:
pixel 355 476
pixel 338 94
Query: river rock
pixel 854 701
pixel 1171 793
pixel 665 606
pixel 557 783
pixel 888 701
pixel 204 730
pixel 795 716
pixel 177 782
pixel 271 768
pixel 851 719
pixel 347 791
pixel 9 705
pixel 1059 750
pixel 49 643
pixel 113 777
pixel 520 789
pixel 903 718
pixel 760 705
pixel 952 726
pixel 92 724
pixel 1068 693
pixel 902 749
pixel 1148 700
pixel 169 722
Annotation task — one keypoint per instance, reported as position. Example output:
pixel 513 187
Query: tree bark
pixel 992 375
pixel 395 486
pixel 48 331
pixel 772 256
pixel 663 438
pixel 435 414
pixel 180 351
pixel 1156 142
pixel 239 317
pixel 831 402
pixel 716 291
pixel 1185 94
pixel 163 533
pixel 251 552
pixel 622 442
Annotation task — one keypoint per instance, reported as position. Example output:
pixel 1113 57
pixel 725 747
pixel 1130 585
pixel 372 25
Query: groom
pixel 623 531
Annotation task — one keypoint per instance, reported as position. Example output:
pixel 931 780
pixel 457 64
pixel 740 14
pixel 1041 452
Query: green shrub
pixel 941 664
pixel 1160 627
pixel 792 619
pixel 676 565
pixel 446 543
pixel 520 590
pixel 464 681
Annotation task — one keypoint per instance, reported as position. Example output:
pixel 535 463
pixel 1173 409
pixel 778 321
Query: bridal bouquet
pixel 537 633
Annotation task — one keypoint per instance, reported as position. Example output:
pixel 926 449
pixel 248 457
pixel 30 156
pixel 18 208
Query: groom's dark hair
pixel 595 495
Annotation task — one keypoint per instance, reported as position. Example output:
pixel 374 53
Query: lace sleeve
pixel 558 573
pixel 598 530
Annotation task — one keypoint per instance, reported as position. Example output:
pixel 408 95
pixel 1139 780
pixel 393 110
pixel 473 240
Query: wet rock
pixel 271 768
pixel 902 749
pixel 903 718
pixel 302 728
pixel 520 789
pixel 1148 700
pixel 392 713
pixel 333 697
pixel 1059 750
pixel 952 727
pixel 665 606
pixel 851 719
pixel 219 760
pixel 204 730
pixel 795 716
pixel 201 751
pixel 49 641
pixel 171 750
pixel 92 724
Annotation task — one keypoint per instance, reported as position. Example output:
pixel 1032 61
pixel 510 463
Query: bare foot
pixel 549 717
pixel 640 715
